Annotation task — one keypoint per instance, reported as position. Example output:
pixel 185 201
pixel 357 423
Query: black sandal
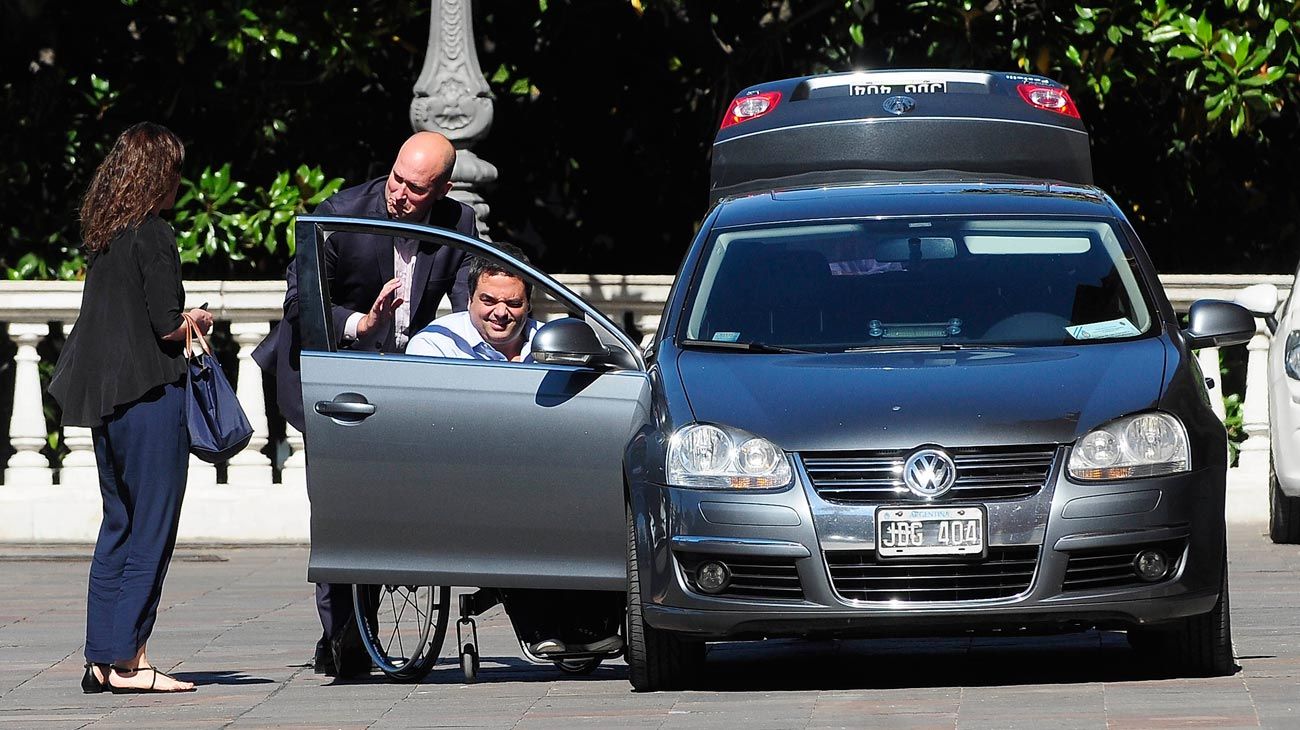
pixel 89 683
pixel 151 689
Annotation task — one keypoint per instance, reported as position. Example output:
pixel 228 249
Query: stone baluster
pixel 1208 358
pixel 79 468
pixel 27 431
pixel 294 471
pixel 250 466
pixel 1253 458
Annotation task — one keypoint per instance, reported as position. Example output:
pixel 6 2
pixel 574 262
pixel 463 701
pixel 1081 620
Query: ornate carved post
pixel 1253 458
pixel 250 466
pixel 27 424
pixel 452 97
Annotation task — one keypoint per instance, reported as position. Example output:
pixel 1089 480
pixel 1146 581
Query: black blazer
pixel 133 296
pixel 356 267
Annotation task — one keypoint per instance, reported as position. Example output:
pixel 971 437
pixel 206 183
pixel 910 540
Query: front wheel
pixel 1283 512
pixel 655 659
pixel 1197 645
pixel 402 627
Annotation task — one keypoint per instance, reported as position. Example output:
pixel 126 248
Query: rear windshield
pixel 837 286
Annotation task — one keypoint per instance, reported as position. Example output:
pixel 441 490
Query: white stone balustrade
pixel 41 501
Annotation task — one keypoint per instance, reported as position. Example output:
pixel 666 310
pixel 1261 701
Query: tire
pixel 1199 646
pixel 405 637
pixel 1283 512
pixel 656 659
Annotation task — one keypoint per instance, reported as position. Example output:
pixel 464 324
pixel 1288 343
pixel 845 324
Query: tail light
pixel 753 106
pixel 1048 98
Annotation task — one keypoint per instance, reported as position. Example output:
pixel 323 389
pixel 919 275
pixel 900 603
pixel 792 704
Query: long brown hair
pixel 136 176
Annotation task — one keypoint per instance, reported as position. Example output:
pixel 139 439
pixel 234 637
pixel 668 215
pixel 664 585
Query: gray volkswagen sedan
pixel 908 407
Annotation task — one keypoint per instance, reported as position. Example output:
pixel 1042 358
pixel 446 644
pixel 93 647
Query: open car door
pixel 437 471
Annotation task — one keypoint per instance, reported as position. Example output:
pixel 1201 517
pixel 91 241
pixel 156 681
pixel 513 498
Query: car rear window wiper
pixel 743 346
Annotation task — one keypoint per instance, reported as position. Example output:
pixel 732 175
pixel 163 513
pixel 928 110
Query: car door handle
pixel 349 407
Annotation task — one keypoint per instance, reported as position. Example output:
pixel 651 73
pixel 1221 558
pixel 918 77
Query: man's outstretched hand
pixel 382 310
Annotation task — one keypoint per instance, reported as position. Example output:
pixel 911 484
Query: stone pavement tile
pixel 901 705
pixel 919 721
pixel 787 709
pixel 1219 702
pixel 1276 700
pixel 1032 706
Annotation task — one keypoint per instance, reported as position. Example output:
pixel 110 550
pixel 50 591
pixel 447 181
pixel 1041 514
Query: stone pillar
pixel 250 466
pixel 294 471
pixel 27 424
pixel 452 97
pixel 1208 358
pixel 1253 458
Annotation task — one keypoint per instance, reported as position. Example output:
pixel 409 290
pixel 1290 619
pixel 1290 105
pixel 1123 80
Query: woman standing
pixel 122 373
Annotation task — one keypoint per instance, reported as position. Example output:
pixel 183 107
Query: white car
pixel 1283 407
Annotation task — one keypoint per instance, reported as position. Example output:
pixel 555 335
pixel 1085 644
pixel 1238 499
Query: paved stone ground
pixel 240 621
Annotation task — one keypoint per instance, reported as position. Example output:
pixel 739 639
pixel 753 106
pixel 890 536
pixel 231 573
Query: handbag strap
pixel 192 333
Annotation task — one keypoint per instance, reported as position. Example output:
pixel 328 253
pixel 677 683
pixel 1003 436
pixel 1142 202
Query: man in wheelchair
pixel 497 327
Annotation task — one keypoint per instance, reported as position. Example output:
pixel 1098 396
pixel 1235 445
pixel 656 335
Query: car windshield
pixel 936 282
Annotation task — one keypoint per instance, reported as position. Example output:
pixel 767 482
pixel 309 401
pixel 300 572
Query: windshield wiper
pixel 743 346
pixel 908 347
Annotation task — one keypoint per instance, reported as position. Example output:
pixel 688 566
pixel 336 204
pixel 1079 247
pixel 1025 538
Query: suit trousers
pixel 142 453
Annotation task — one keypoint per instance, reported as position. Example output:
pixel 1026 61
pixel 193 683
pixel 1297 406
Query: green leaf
pixel 1185 53
pixel 1204 31
pixel 855 32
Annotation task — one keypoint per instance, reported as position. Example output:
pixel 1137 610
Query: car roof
pixel 903 199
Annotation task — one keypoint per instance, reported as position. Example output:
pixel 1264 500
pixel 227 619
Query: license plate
pixel 911 87
pixel 903 532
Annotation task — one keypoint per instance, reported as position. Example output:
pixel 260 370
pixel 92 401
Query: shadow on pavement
pixel 931 662
pixel 791 664
pixel 202 678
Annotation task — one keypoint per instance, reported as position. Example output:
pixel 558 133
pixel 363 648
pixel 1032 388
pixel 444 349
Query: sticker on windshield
pixel 726 336
pixel 1103 330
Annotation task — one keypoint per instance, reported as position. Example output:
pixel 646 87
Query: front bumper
pixel 794 537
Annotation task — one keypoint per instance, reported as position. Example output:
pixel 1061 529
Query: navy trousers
pixel 142 452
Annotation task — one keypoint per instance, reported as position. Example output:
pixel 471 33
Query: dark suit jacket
pixel 357 266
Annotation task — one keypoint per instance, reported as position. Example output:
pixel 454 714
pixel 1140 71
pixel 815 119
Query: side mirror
pixel 568 341
pixel 1261 300
pixel 1212 323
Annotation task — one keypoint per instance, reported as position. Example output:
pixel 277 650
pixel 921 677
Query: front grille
pixel 751 577
pixel 858 576
pixel 1113 567
pixel 983 473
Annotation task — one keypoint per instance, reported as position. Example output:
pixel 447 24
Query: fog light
pixel 1151 565
pixel 712 577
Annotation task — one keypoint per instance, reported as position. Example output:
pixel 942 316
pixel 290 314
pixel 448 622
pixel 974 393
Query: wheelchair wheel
pixel 578 666
pixel 469 663
pixel 410 624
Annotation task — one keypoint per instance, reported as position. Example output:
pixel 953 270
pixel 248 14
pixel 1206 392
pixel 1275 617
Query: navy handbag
pixel 217 424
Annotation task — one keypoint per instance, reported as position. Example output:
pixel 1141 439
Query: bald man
pixel 382 289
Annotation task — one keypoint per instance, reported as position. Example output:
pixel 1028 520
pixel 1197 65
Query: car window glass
pixel 918 282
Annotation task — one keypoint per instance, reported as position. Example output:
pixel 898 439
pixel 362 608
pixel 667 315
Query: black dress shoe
pixel 323 661
pixel 350 657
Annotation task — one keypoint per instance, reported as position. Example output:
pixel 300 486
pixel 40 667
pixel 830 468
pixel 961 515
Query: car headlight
pixel 1291 355
pixel 704 456
pixel 1145 445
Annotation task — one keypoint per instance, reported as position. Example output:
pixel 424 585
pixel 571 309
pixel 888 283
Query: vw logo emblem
pixel 929 473
pixel 898 105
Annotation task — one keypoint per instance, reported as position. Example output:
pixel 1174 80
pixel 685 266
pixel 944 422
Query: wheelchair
pixel 404 628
